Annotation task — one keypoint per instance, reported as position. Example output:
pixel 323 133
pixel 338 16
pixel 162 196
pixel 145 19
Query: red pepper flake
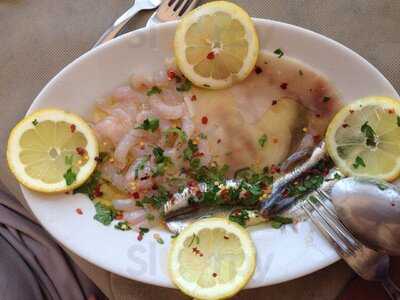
pixel 391 111
pixel 285 193
pixel 284 86
pixel 140 237
pixel 316 138
pixel 72 127
pixel 274 141
pixel 154 187
pixel 318 115
pixel 345 125
pixel 211 55
pixel 97 192
pixel 274 102
pixel 351 111
pixel 258 70
pixel 193 98
pixel 171 74
pixel 204 120
pixel 218 141
pixel 135 195
pixel 393 204
pixel 80 151
pixel 226 237
pixel 79 211
pixel 119 216
pixel 198 154
pixel 214 275
pixel 275 169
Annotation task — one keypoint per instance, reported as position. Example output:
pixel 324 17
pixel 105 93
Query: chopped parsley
pixel 89 187
pixel 240 216
pixel 369 134
pixel 178 131
pixel 185 86
pixel 174 236
pixel 69 159
pixel 278 221
pixel 279 52
pixel 195 239
pixel 262 140
pixel 337 176
pixel 141 166
pixel 191 149
pixel 157 200
pixel 150 124
pixel 358 162
pixel 35 122
pixel 398 121
pixel 154 90
pixel 70 176
pixel 326 99
pixel 203 136
pixel 104 214
pixel 162 161
pixel 124 226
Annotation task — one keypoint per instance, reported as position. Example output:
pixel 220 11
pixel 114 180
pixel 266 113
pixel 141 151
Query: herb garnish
pixel 359 162
pixel 157 200
pixel 278 221
pixel 104 214
pixel 35 122
pixel 89 187
pixel 279 52
pixel 69 159
pixel 141 166
pixel 150 124
pixel 184 86
pixel 69 176
pixel 142 231
pixel 262 140
pixel 162 162
pixel 154 90
pixel 124 226
pixel 369 134
pixel 178 131
pixel 174 236
pixel 398 121
pixel 240 216
pixel 203 136
pixel 190 150
pixel 195 238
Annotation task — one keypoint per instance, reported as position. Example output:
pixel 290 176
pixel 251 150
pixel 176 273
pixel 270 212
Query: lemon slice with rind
pixel 52 151
pixel 216 45
pixel 364 138
pixel 212 259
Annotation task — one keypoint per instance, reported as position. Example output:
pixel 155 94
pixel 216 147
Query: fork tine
pixel 322 201
pixel 330 222
pixel 185 7
pixel 177 5
pixel 325 229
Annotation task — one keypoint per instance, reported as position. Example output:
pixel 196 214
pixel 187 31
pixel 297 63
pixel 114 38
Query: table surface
pixel 38 38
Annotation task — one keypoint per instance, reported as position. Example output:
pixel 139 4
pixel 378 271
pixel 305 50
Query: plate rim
pixel 127 36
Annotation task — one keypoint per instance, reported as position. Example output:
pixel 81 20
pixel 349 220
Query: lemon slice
pixel 216 45
pixel 212 259
pixel 52 151
pixel 364 138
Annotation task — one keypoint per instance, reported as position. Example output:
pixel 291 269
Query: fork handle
pixel 115 28
pixel 391 289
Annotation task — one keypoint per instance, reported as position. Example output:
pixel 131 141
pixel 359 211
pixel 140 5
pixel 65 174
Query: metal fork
pixel 171 10
pixel 367 263
pixel 117 26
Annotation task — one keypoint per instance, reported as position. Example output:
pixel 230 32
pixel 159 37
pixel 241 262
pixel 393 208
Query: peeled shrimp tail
pixel 126 143
pixel 170 112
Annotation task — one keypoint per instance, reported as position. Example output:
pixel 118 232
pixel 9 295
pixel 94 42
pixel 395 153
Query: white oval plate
pixel 283 254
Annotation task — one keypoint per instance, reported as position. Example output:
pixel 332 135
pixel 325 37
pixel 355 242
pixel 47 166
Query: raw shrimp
pixel 169 112
pixel 125 144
